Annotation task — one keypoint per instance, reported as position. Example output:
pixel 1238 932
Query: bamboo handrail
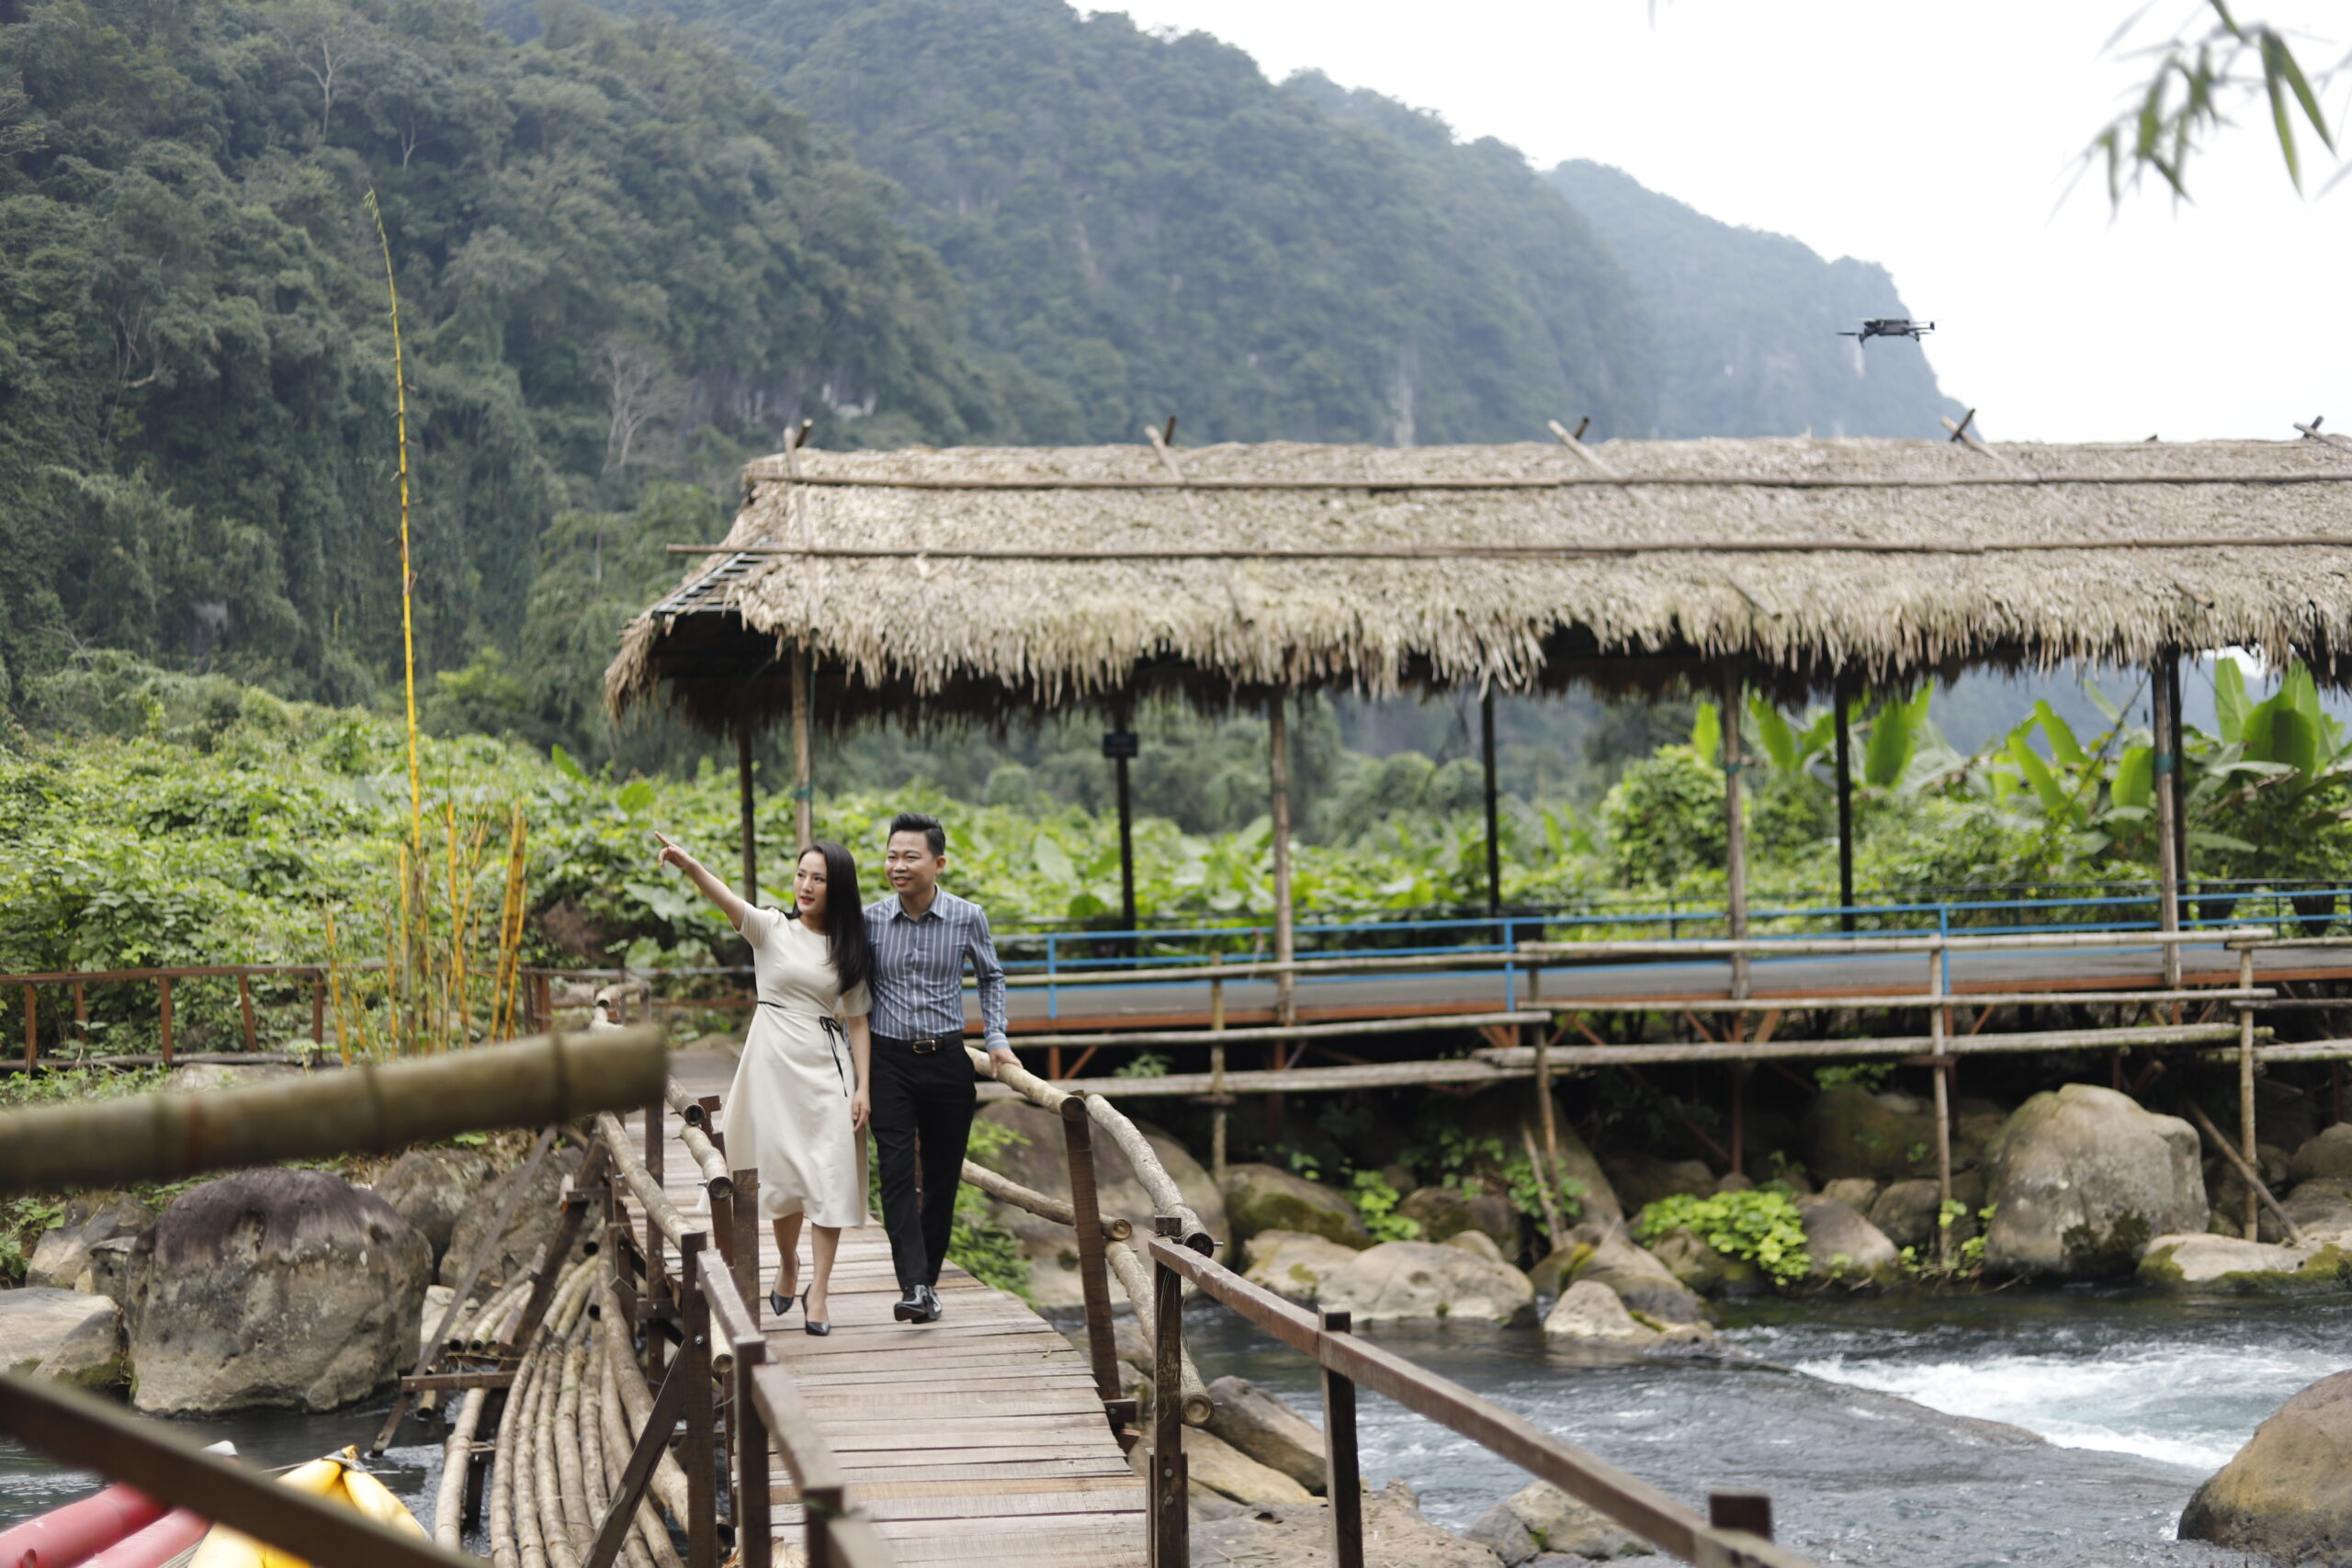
pixel 370 1109
pixel 642 1184
pixel 1004 1190
pixel 716 1181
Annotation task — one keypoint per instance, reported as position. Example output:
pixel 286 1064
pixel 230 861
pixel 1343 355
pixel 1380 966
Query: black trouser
pixel 924 1097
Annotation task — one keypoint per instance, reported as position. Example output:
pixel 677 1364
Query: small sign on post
pixel 1121 745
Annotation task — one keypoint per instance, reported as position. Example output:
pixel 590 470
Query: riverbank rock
pixel 1856 1192
pixel 1842 1245
pixel 1557 1523
pixel 1850 1132
pixel 66 1336
pixel 1590 1311
pixel 2081 1178
pixel 1910 1212
pixel 1404 1280
pixel 273 1288
pixel 1396 1535
pixel 204 1078
pixel 1266 1198
pixel 2320 1208
pixel 2325 1153
pixel 1444 1212
pixel 1214 1465
pixel 1641 1281
pixel 530 1227
pixel 2229 1264
pixel 1701 1267
pixel 1039 1161
pixel 1293 1264
pixel 1264 1427
pixel 61 1259
pixel 1641 1180
pixel 429 1188
pixel 2288 1494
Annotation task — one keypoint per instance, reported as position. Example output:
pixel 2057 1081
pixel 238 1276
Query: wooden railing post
pixel 722 1209
pixel 32 1031
pixel 1093 1272
pixel 245 1009
pixel 1171 1500
pixel 1342 1484
pixel 819 1507
pixel 1748 1511
pixel 754 1538
pixel 318 1009
pixel 699 1460
pixel 2249 1145
pixel 743 1212
pixel 164 989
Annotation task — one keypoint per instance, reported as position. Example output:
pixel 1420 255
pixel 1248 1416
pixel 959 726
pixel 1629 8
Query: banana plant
pixel 1895 736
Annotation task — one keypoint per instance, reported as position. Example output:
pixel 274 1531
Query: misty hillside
pixel 1747 322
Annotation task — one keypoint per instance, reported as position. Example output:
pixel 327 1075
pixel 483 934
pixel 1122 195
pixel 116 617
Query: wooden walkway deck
pixel 978 1439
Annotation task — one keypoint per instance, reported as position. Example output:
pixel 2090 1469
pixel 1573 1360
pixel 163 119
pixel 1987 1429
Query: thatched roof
pixel 977 579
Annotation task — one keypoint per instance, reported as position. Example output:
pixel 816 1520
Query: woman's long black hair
pixel 846 941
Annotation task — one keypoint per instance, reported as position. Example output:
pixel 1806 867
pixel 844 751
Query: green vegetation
pixel 1376 1198
pixel 1759 1225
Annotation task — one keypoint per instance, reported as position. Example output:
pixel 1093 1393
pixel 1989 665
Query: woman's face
pixel 808 889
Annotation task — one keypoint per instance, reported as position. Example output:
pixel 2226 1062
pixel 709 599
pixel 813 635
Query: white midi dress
pixel 789 1103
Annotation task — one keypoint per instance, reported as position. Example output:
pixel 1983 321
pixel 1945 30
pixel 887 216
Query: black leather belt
pixel 921 1044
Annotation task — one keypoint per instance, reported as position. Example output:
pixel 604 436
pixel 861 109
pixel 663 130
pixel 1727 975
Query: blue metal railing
pixel 2104 907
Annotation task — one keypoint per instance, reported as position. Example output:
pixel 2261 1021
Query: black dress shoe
pixel 818 1326
pixel 930 1308
pixel 907 1308
pixel 778 1303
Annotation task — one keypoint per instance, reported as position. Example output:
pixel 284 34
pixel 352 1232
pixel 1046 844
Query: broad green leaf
pixel 1053 861
pixel 2230 702
pixel 1893 738
pixel 2064 746
pixel 2134 777
pixel 2201 840
pixel 636 796
pixel 1773 734
pixel 1707 732
pixel 2101 701
pixel 565 766
pixel 2046 787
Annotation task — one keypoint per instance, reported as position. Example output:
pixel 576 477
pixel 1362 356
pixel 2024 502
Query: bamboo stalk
pixel 1006 1190
pixel 524 1513
pixel 668 1483
pixel 620 1440
pixel 1199 1407
pixel 372 1109
pixel 449 1505
pixel 570 1464
pixel 642 1185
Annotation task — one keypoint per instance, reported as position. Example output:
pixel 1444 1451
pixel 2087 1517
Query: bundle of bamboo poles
pixel 571 1417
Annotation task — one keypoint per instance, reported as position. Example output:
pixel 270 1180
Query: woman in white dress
pixel 801 1092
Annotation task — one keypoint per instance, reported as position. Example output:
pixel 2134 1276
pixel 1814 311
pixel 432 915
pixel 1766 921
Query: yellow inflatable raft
pixel 338 1479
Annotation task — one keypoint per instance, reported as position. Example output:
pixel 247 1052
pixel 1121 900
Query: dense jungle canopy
pixel 632 250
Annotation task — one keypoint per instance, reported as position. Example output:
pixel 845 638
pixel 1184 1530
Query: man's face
pixel 912 869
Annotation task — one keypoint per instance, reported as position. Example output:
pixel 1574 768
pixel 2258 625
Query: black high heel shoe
pixel 809 1325
pixel 780 1304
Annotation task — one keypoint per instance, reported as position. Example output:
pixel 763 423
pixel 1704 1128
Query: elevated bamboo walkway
pixel 978 1439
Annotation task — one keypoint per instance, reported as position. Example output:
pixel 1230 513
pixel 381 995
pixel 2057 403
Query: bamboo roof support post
pixel 2172 743
pixel 1278 771
pixel 744 807
pixel 803 767
pixel 2166 770
pixel 1734 833
pixel 1843 725
pixel 1486 758
pixel 1121 753
pixel 2249 1149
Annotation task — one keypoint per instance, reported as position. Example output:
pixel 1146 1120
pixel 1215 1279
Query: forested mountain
pixel 605 239
pixel 1145 225
pixel 1745 323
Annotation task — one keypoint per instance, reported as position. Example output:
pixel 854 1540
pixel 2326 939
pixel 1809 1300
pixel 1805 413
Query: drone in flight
pixel 1891 326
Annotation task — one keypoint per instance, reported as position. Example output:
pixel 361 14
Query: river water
pixel 1889 1431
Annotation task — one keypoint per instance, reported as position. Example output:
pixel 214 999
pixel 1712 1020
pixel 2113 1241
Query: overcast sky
pixel 1935 138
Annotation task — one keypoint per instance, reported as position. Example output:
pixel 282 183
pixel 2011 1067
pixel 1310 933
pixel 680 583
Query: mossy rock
pixel 1850 1132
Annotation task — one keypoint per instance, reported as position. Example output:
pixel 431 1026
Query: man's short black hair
pixel 916 822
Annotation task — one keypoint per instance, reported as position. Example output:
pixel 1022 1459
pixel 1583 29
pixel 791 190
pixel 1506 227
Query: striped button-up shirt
pixel 919 967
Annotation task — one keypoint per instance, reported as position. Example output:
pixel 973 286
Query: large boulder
pixel 273 1288
pixel 1293 1264
pixel 2288 1494
pixel 1264 1427
pixel 1907 1212
pixel 1641 1281
pixel 1850 1132
pixel 1641 1180
pixel 2081 1178
pixel 431 1188
pixel 1690 1259
pixel 2326 1154
pixel 1038 1159
pixel 1842 1245
pixel 2320 1208
pixel 66 1336
pixel 1592 1311
pixel 530 1227
pixel 1404 1280
pixel 1268 1197
pixel 60 1259
pixel 2224 1263
pixel 1444 1212
pixel 1558 1523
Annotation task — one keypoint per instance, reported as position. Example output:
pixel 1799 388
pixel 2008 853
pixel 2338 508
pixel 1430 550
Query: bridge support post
pixel 1093 1271
pixel 1278 778
pixel 2166 768
pixel 1735 835
pixel 1170 1499
pixel 754 1538
pixel 1494 844
pixel 2248 1143
pixel 699 1457
pixel 1342 1482
pixel 1843 724
pixel 744 1213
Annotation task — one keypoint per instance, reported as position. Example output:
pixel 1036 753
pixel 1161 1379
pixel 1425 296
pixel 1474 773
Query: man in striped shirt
pixel 923 1085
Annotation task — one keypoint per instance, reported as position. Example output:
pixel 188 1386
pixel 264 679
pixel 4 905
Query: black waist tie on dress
pixel 836 1038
